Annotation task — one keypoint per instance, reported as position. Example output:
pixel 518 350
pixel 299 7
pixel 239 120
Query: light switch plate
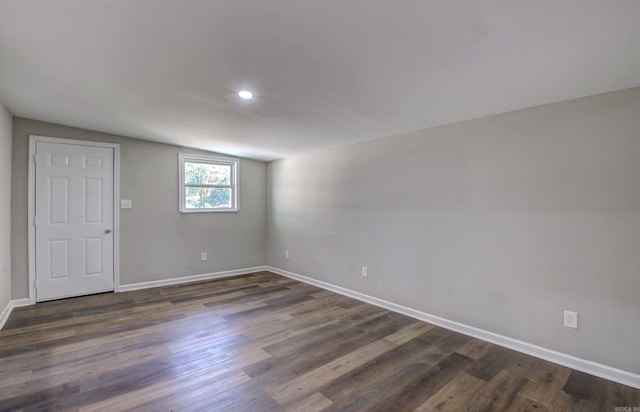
pixel 126 204
pixel 570 319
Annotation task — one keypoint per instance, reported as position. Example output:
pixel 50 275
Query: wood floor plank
pixel 263 342
pixel 79 371
pixel 546 383
pixel 624 395
pixel 491 363
pixel 284 334
pixel 311 381
pixel 196 383
pixel 475 348
pixel 408 333
pixel 499 393
pixel 204 377
pixel 14 379
pixel 312 403
pixel 455 395
pixel 370 383
pixel 83 320
pixel 416 392
pixel 523 404
pixel 89 346
pixel 38 399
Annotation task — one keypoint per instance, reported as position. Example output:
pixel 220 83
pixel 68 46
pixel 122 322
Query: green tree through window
pixel 208 184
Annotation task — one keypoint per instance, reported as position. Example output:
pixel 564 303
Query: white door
pixel 74 241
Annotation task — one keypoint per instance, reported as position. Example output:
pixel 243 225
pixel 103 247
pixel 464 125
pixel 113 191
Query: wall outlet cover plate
pixel 570 319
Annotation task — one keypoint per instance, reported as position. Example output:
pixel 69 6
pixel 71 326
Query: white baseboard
pixel 583 365
pixel 15 303
pixel 187 279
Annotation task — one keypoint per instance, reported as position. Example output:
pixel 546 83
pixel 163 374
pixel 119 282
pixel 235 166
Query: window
pixel 208 184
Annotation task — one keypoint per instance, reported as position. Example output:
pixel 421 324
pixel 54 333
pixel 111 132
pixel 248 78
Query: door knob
pixel 107 231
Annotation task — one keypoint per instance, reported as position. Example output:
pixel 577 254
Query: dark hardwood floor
pixel 264 342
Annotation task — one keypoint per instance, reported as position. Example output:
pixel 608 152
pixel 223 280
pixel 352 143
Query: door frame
pixel 33 140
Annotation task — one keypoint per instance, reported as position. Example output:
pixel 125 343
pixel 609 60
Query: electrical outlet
pixel 126 204
pixel 570 319
pixel 365 272
pixel 286 254
pixel 203 256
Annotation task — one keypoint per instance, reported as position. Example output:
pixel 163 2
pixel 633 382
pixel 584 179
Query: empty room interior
pixel 319 205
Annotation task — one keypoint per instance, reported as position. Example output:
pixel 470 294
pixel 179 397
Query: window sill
pixel 186 212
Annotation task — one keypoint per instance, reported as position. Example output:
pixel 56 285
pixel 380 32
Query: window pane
pixel 206 174
pixel 207 198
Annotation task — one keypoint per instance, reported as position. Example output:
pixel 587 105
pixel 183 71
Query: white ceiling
pixel 325 72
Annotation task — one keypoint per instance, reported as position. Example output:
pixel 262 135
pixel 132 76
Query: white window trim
pixel 235 178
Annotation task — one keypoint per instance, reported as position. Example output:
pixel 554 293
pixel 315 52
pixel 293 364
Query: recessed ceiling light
pixel 245 94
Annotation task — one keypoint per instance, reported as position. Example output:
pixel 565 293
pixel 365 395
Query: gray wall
pixel 499 223
pixel 157 242
pixel 5 207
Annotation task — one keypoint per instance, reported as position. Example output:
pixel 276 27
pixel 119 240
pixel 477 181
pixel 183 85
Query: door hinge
pixel 35 158
pixel 35 221
pixel 35 284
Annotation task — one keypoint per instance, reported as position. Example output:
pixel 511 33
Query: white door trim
pixel 33 139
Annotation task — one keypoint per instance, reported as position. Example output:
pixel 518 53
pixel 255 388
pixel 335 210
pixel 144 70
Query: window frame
pixel 216 160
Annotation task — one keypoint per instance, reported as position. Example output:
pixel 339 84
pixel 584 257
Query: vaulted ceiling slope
pixel 324 73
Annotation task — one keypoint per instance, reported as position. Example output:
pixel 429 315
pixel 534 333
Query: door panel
pixel 59 200
pixel 92 256
pixel 59 255
pixel 74 220
pixel 93 201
